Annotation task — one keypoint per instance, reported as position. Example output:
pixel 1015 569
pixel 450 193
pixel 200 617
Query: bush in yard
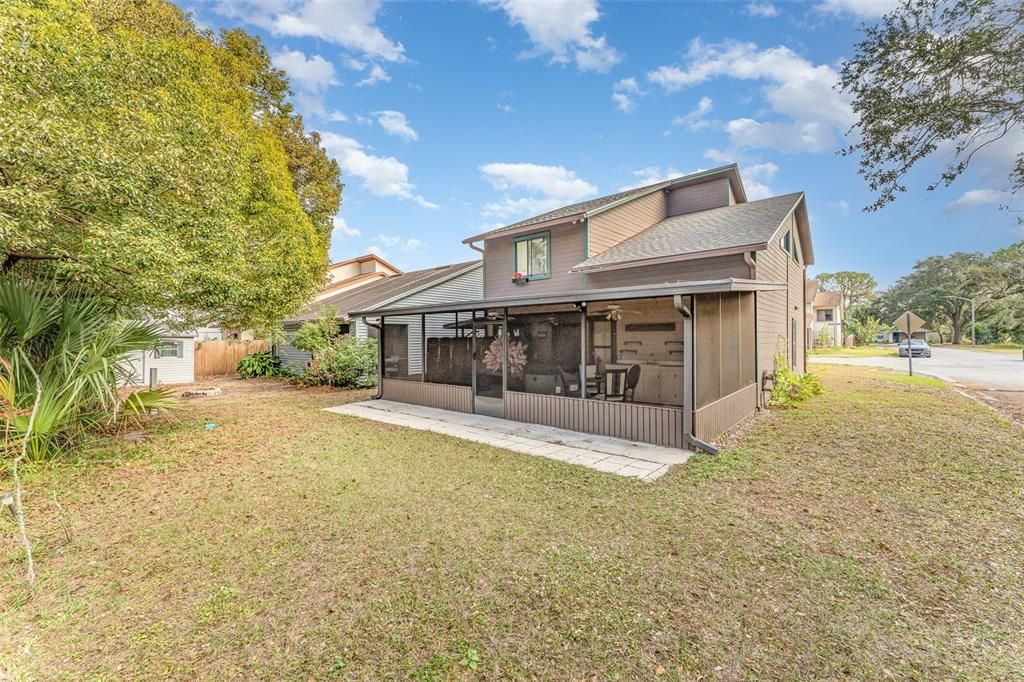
pixel 346 362
pixel 261 364
pixel 865 330
pixel 825 338
pixel 789 388
pixel 77 349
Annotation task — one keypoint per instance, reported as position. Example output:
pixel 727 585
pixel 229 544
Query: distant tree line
pixel 940 290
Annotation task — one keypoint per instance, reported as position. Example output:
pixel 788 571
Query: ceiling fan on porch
pixel 613 312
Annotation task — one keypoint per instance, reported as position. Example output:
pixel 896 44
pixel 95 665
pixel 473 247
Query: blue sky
pixel 449 118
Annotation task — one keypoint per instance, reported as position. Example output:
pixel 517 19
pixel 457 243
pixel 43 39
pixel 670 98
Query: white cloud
pixel 395 123
pixel 313 74
pixel 625 93
pixel 862 9
pixel 801 93
pixel 624 102
pixel 351 24
pixel 383 176
pixel 762 9
pixel 376 251
pixel 342 228
pixel 561 29
pixel 337 117
pixel 695 119
pixel 720 157
pixel 653 174
pixel 548 188
pixel 390 241
pixel 756 177
pixel 974 198
pixel 377 75
pixel 842 206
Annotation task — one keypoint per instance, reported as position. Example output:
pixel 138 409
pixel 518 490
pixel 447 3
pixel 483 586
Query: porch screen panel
pixel 708 348
pixel 731 365
pixel 544 350
pixel 642 338
pixel 403 345
pixel 449 350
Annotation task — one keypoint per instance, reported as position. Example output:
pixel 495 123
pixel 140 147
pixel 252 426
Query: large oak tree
pixel 156 164
pixel 937 76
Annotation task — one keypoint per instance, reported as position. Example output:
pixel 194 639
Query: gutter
pixel 380 356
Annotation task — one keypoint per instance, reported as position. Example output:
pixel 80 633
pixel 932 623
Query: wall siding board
pixel 777 309
pixel 441 396
pixel 719 267
pixel 168 370
pixel 711 194
pixel 632 421
pixel 566 251
pixel 622 222
pixel 711 420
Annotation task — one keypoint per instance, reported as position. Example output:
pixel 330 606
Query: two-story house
pixel 828 318
pixel 651 314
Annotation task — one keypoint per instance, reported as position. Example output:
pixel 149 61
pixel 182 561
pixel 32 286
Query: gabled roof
pixel 388 290
pixel 702 234
pixel 828 299
pixel 591 207
pixel 362 259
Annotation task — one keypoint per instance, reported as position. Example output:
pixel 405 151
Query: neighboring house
pixel 652 314
pixel 173 359
pixel 354 273
pixel 810 289
pixel 443 284
pixel 828 318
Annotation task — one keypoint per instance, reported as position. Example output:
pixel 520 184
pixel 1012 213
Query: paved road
pixel 981 369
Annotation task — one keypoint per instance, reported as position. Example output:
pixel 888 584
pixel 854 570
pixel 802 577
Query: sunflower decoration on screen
pixel 516 357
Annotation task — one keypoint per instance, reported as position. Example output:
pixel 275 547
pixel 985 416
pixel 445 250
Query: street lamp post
pixel 974 337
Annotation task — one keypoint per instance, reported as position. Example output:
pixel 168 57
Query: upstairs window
pixel 785 243
pixel 532 255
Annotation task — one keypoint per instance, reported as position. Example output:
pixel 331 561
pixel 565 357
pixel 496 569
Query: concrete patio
pixel 612 455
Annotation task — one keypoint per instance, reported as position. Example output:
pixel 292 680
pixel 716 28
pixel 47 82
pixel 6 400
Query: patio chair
pixel 570 384
pixel 628 389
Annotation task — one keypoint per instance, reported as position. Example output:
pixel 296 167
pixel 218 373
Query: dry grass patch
pixel 876 531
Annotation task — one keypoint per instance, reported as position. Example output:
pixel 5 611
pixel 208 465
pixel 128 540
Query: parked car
pixel 918 349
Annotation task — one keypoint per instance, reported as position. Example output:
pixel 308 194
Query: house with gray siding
pixel 431 286
pixel 657 314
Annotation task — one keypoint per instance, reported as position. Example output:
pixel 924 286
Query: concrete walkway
pixel 613 455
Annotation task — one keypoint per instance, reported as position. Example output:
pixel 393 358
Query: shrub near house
pixel 339 359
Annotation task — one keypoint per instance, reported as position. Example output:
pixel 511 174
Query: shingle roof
pixel 590 205
pixel 729 227
pixel 370 296
pixel 828 299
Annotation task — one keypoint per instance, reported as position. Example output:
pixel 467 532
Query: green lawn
pixel 871 351
pixel 878 531
pixel 1005 348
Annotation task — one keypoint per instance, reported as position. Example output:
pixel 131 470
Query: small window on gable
pixel 796 252
pixel 170 349
pixel 532 255
pixel 785 242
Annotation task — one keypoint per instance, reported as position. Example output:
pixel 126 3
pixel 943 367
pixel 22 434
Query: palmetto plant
pixel 78 347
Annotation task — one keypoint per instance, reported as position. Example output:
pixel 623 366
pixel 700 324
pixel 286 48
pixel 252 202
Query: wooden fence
pixel 221 357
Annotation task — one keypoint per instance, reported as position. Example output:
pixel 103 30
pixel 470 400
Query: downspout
pixel 688 369
pixel 748 258
pixel 474 247
pixel 380 355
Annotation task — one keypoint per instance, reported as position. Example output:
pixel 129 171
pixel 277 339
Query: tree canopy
pixel 938 287
pixel 855 287
pixel 157 165
pixel 936 76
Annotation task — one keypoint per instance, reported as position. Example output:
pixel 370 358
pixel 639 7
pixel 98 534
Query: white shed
pixel 173 359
